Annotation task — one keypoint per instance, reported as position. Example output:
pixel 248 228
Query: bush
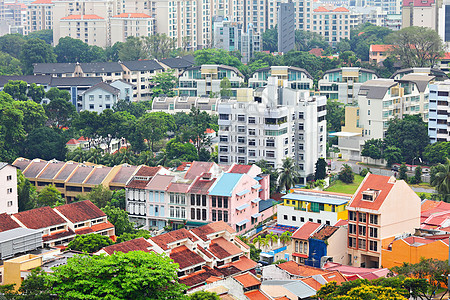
pixel 364 172
pixel 346 175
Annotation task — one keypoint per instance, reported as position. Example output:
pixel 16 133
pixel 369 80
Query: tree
pixel 441 179
pixel 409 134
pixel 418 174
pixel 119 218
pixel 158 46
pixel 373 148
pixel 9 65
pixel 12 44
pixel 33 114
pixel 112 52
pixel 225 88
pixel 287 174
pixel 270 39
pixel 437 152
pixel 417 46
pixel 96 54
pixel 49 196
pixel 335 115
pixel 434 271
pixel 321 169
pixel 100 196
pixel 26 193
pixel 55 93
pixel 60 112
pixel 217 56
pixel 153 128
pixel 118 199
pixel 132 49
pixel 254 253
pixel 16 89
pixel 35 51
pixel 164 84
pixel 132 275
pixel 182 151
pixel 36 286
pixel 346 174
pixel 70 50
pixel 402 174
pixel 44 34
pixel 46 143
pixel 36 92
pixel 131 236
pixel 11 128
pixel 392 155
pixel 305 41
pixel 204 295
pixel 285 237
pixel 268 169
pixel 89 243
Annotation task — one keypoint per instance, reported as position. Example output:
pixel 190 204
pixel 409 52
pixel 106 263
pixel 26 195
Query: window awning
pixel 256 215
pixel 256 186
pixel 242 193
pixel 243 206
pixel 256 200
pixel 258 178
pixel 300 255
pixel 245 221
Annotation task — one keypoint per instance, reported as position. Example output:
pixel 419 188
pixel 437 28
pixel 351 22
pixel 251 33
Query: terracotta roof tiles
pixel 304 232
pixel 247 280
pixel 7 223
pixel 80 211
pixel 139 244
pixel 95 228
pixel 38 218
pixel 132 15
pixel 325 232
pixel 240 169
pixel 164 239
pixel 146 171
pixel 312 283
pixel 380 48
pixel 378 182
pixel 205 230
pixel 256 295
pixel 221 248
pixel 82 17
pixel 185 258
pixel 300 270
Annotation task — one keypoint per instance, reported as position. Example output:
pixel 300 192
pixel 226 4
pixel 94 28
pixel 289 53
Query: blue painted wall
pixel 317 249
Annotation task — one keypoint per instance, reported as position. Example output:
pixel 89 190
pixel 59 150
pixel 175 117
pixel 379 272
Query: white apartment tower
pixel 439 112
pixel 8 189
pixel 280 122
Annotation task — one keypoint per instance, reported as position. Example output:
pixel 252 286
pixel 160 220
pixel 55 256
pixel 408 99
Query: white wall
pixel 8 190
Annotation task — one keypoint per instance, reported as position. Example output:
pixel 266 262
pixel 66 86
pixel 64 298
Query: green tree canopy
pixel 270 39
pixel 373 148
pixel 437 152
pixel 12 44
pixel 132 275
pixel 132 49
pixel 89 243
pixel 335 115
pixel 204 295
pixel 9 65
pixel 158 46
pixel 35 51
pixel 321 169
pixel 119 218
pixel 70 50
pixel 26 192
pixel 402 174
pixel 60 112
pixel 49 196
pixel 287 174
pixel 164 84
pixel 417 46
pixel 441 179
pixel 44 34
pixel 46 143
pixel 33 114
pixel 346 174
pixel 16 89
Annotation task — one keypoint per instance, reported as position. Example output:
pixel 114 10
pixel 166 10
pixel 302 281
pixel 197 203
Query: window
pixel 214 199
pixel 193 213
pixel 352 242
pixel 251 120
pixel 241 139
pixel 214 215
pixel 225 216
pixel 192 199
pixel 241 118
pixel 285 217
pixel 362 244
pixel 91 97
pixel 373 219
pixel 352 228
pixel 373 232
pixel 10 203
pixel 252 142
pixel 270 143
pixel 251 132
pixel 362 230
pixel 203 200
pixel 9 191
pixel 362 217
pixel 294 218
pixel 270 154
pixel 9 177
pixel 352 216
pixel 373 245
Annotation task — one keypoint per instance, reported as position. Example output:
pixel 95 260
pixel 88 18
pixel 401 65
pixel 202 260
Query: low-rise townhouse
pixel 381 209
pixel 139 73
pixel 321 207
pixel 108 71
pixel 99 97
pixel 57 69
pixel 328 243
pixel 177 65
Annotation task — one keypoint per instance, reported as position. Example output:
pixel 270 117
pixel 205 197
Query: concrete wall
pixel 8 190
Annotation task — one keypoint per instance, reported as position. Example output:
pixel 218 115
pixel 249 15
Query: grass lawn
pixel 340 187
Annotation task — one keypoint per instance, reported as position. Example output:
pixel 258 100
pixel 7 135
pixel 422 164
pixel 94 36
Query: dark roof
pixel 54 68
pixel 22 163
pixel 325 232
pixel 177 63
pixel 104 86
pixel 376 88
pixel 7 223
pixel 420 80
pixel 51 169
pixel 142 65
pixel 38 218
pixel 185 258
pixel 200 277
pixel 139 244
pixel 75 81
pixel 38 79
pixel 101 67
pixel 80 211
pixel 240 169
pixel 189 58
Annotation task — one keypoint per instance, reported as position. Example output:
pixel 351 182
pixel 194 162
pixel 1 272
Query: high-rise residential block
pixel 286 27
pixel 439 112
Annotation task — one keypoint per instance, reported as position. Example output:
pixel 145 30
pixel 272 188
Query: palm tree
pixel 264 243
pixel 95 155
pixel 272 238
pixel 257 240
pixel 287 174
pixel 77 155
pixel 442 180
pixel 286 237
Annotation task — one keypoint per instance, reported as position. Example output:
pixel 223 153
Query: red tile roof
pixel 300 270
pixel 197 168
pixel 205 230
pixel 350 270
pixel 417 241
pixel 185 258
pixel 247 280
pixel 72 142
pixel 304 232
pixel 139 244
pixel 380 48
pixel 42 2
pixel 341 223
pixel 138 184
pixel 164 239
pixel 132 15
pixel 221 248
pixel 256 295
pixel 209 130
pixel 146 171
pixel 428 205
pixel 321 9
pixel 201 186
pixel 334 276
pixel 183 166
pixel 205 252
pixel 95 228
pixel 325 232
pixel 316 51
pixel 58 234
pixel 82 17
pixel 83 139
pixel 7 223
pixel 80 211
pixel 38 218
pixel 378 182
pixel 243 264
pixel 200 277
pixel 300 255
pixel 446 55
pixel 240 169
pixel 312 283
pixel 341 9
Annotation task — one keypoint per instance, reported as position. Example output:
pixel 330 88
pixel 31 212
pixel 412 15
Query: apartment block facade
pixel 39 16
pixel 131 24
pixel 439 116
pixel 343 84
pixel 8 191
pixel 295 78
pixel 91 29
pixel 382 209
pixel 280 122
